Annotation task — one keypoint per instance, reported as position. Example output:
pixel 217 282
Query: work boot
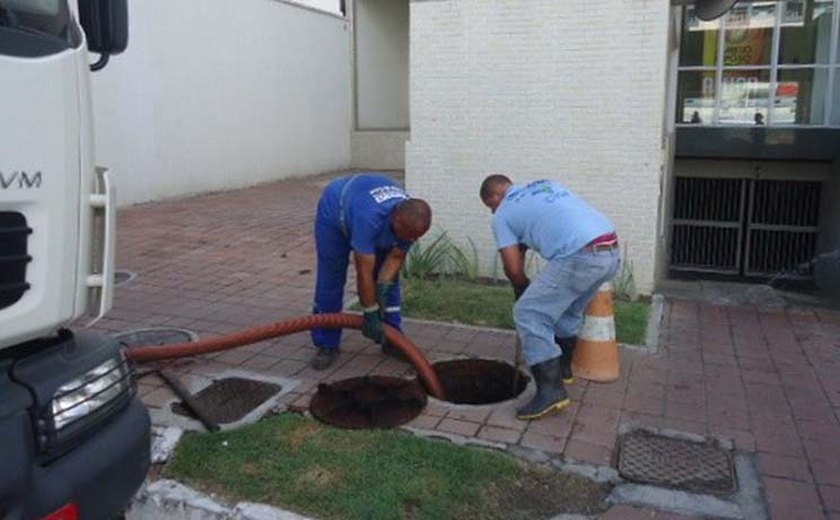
pixel 551 395
pixel 568 347
pixel 324 358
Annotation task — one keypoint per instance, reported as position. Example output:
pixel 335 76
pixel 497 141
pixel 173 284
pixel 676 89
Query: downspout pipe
pixel 427 374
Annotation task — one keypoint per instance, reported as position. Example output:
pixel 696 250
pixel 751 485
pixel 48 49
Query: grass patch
pixel 491 305
pixel 299 464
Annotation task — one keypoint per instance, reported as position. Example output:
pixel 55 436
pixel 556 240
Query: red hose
pixel 282 328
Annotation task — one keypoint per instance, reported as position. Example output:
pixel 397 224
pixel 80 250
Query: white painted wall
pixel 382 64
pixel 379 150
pixel 213 94
pixel 540 89
pixel 331 6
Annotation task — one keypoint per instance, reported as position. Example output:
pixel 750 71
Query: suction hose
pixel 282 328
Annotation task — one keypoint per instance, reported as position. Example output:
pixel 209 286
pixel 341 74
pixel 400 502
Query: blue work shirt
pixel 548 218
pixel 362 205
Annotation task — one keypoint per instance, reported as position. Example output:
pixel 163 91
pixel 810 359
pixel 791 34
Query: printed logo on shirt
pixel 384 193
pixel 541 187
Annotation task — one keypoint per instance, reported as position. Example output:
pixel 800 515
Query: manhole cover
pixel 368 402
pixel 229 400
pixel 122 277
pixel 700 467
pixel 154 336
pixel 480 381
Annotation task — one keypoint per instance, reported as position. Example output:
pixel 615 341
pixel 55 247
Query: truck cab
pixel 75 435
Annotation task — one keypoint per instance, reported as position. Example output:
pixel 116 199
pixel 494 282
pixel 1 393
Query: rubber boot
pixel 568 347
pixel 551 395
pixel 324 358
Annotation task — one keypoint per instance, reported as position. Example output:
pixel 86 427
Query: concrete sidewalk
pixel 767 379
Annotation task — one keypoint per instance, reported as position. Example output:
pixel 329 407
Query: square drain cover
pixel 229 400
pixel 699 467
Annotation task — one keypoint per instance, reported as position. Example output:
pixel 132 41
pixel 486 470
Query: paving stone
pixel 795 512
pixel 477 414
pixel 547 443
pixel 425 422
pixel 464 428
pixel 496 434
pixel 781 491
pixel 793 468
pixel 586 452
pixel 830 497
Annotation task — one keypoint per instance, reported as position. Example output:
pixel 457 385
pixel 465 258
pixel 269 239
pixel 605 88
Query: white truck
pixel 75 437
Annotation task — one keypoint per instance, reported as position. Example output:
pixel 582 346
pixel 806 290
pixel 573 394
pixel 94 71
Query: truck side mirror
pixel 105 23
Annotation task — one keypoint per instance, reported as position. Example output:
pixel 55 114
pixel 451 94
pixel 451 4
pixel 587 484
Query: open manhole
pixel 123 276
pixel 368 402
pixel 230 399
pixel 154 336
pixel 699 467
pixel 480 381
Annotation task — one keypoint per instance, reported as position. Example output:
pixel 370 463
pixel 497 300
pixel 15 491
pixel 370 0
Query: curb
pixel 175 501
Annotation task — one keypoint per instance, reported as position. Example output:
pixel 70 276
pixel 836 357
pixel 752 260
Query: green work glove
pixel 383 292
pixel 372 326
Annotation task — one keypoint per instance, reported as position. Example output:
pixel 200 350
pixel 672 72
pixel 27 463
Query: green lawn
pixel 491 305
pixel 302 465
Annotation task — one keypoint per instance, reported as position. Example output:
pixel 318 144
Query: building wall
pixel 215 95
pixel 827 264
pixel 381 36
pixel 379 150
pixel 381 46
pixel 540 89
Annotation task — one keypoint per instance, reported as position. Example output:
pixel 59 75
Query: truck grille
pixel 13 257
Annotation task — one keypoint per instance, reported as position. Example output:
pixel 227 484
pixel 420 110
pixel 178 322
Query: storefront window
pixel 697 97
pixel 699 47
pixel 835 102
pixel 745 97
pixel 805 33
pixel 748 37
pixel 777 61
pixel 800 97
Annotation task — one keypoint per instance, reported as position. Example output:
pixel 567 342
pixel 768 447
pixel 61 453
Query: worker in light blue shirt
pixel 373 218
pixel 581 249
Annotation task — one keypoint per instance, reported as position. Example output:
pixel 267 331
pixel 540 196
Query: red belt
pixel 606 242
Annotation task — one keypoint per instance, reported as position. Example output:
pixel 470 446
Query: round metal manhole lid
pixel 154 336
pixel 480 381
pixel 700 467
pixel 368 402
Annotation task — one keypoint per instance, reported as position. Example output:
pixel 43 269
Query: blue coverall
pixel 354 214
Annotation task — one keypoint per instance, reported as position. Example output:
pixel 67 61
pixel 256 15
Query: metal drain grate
pixel 229 400
pixel 368 402
pixel 700 467
pixel 154 336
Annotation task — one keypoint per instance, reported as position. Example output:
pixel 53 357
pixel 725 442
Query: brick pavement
pixel 766 379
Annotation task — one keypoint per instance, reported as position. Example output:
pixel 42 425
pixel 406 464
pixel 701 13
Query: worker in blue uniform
pixel 373 218
pixel 580 247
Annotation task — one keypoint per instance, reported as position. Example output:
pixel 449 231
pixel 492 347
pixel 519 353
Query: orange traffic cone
pixel 596 356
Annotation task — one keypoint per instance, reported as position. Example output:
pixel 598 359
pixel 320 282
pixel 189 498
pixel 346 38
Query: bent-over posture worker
pixel 374 218
pixel 581 248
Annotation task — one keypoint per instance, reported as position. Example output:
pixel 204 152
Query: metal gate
pixel 745 227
